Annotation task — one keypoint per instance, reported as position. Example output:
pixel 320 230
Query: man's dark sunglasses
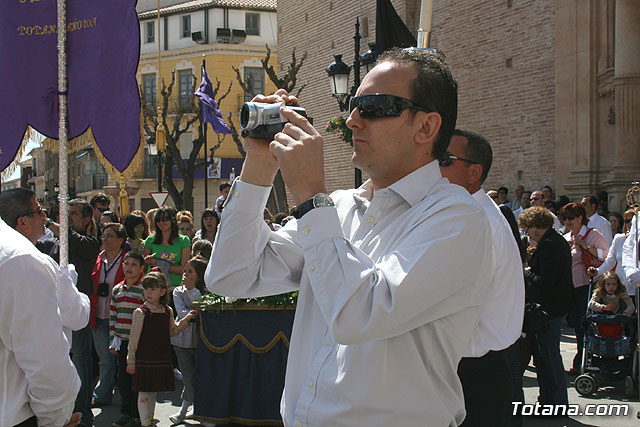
pixel 103 209
pixel 377 106
pixel 448 158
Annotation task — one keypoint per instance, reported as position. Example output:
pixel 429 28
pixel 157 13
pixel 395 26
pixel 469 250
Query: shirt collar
pixel 583 231
pixel 413 187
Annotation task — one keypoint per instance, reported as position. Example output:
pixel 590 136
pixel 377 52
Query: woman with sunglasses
pixel 166 248
pixel 581 239
pixel 613 262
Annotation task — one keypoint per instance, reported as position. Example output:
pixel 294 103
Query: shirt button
pixel 312 267
pixel 235 194
pixel 299 424
pixel 370 219
pixel 310 383
pixel 305 231
pixel 328 342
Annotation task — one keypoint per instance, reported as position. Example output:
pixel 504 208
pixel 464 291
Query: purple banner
pixel 103 47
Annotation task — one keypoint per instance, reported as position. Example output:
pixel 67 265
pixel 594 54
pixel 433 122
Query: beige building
pixel 555 86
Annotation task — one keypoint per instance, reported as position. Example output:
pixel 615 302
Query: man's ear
pixel 21 225
pixel 474 174
pixel 430 124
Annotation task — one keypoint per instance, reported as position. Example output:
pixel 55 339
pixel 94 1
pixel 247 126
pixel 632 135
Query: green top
pixel 172 254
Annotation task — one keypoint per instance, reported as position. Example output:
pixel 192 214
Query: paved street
pixel 169 403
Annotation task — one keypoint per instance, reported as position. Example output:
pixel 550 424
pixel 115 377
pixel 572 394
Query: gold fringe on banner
pixel 87 140
pixel 280 336
pixel 29 135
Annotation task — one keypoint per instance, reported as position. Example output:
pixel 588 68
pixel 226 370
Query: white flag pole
pixel 63 176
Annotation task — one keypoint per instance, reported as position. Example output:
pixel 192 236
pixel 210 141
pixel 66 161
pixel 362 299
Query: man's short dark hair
pixel 225 185
pixel 593 200
pixel 86 209
pixel 135 255
pixel 15 203
pixel 434 87
pixel 101 198
pixel 478 149
pixel 504 190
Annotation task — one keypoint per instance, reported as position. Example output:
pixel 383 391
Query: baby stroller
pixel 609 353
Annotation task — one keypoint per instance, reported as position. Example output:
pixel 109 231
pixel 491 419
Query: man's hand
pixel 299 151
pixel 113 350
pixel 592 271
pixel 75 420
pixel 131 368
pixel 260 166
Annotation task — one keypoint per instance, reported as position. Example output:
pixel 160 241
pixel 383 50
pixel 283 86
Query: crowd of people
pixel 412 288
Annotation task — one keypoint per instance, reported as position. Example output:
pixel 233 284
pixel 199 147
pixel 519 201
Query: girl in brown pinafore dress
pixel 149 353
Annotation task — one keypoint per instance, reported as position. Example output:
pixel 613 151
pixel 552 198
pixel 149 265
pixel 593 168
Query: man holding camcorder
pixel 387 274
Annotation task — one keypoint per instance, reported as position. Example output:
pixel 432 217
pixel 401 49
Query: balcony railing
pixel 91 182
pixel 177 104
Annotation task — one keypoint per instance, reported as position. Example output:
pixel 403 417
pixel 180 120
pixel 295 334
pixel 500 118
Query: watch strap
pixel 303 208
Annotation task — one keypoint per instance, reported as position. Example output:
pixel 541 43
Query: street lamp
pixel 153 151
pixel 56 188
pixel 338 73
pixel 46 193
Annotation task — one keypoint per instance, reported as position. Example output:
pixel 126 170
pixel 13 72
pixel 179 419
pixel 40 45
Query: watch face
pixel 321 200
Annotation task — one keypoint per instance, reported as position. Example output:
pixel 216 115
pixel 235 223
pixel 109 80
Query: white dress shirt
pixel 602 225
pixel 390 289
pixel 501 316
pixel 614 259
pixel 630 256
pixel 36 373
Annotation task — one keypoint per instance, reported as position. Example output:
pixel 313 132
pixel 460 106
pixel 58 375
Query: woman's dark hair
pixel 199 264
pixel 209 212
pixel 121 232
pixel 202 247
pixel 511 219
pixel 155 279
pixel 111 215
pixel 131 222
pixel 575 210
pixel 165 211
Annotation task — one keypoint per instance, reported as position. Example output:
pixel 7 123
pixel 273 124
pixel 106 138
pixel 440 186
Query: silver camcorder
pixel 260 120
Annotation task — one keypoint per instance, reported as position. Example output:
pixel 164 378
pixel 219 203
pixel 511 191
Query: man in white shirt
pixel 525 202
pixel 600 223
pixel 484 370
pixel 538 199
pixel 40 383
pixel 74 306
pixel 391 276
pixel 630 255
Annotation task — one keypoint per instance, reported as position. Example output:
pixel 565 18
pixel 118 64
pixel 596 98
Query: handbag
pixel 587 258
pixel 536 320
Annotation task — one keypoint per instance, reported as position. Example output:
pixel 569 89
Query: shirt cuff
pixel 245 197
pixel 318 225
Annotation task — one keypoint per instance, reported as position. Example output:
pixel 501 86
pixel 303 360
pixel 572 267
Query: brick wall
pixel 503 58
pixel 513 106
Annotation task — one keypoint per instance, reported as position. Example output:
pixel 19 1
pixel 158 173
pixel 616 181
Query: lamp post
pixel 153 151
pixel 339 72
pixel 46 194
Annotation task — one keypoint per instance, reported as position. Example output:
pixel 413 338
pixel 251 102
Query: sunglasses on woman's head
pixel 377 106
